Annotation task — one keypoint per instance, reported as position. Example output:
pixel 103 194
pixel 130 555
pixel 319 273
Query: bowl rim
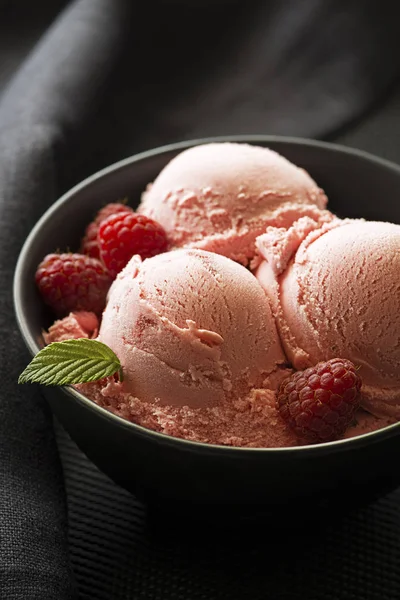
pixel 327 447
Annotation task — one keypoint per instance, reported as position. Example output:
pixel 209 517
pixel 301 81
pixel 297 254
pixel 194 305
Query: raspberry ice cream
pixel 191 328
pixel 76 325
pixel 220 197
pixel 340 296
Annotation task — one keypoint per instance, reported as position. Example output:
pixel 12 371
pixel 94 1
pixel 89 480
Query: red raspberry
pixel 71 282
pixel 121 236
pixel 319 403
pixel 89 243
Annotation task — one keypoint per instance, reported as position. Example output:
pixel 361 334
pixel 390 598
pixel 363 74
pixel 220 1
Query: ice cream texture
pixel 221 197
pixel 191 328
pixel 251 422
pixel 80 324
pixel 339 295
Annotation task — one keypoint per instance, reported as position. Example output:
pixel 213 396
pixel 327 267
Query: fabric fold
pixel 41 108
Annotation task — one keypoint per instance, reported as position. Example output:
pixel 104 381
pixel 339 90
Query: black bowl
pixel 176 473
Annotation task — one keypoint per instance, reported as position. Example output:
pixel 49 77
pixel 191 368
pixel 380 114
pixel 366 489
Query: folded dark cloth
pixel 39 111
pixel 111 77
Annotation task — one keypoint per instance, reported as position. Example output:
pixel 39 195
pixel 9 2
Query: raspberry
pixel 319 403
pixel 73 282
pixel 89 243
pixel 123 235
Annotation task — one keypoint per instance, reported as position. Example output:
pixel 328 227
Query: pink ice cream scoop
pixel 191 328
pixel 220 197
pixel 80 324
pixel 339 296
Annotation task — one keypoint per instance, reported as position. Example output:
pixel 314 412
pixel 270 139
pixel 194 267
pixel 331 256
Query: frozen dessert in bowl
pixel 199 348
pixel 204 348
pixel 220 197
pixel 199 338
pixel 340 295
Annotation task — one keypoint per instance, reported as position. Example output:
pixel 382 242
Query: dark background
pixel 109 78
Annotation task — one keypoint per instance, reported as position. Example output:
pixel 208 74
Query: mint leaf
pixel 72 361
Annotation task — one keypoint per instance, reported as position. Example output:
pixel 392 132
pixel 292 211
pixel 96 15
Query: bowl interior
pixel 357 185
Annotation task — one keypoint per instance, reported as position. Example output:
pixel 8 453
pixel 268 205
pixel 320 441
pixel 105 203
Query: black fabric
pixel 106 79
pixel 299 67
pixel 38 111
pixel 121 552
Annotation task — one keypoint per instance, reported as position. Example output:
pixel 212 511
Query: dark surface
pixel 305 67
pixel 118 551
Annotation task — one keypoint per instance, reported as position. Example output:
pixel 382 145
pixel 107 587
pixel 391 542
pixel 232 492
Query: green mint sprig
pixel 72 361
